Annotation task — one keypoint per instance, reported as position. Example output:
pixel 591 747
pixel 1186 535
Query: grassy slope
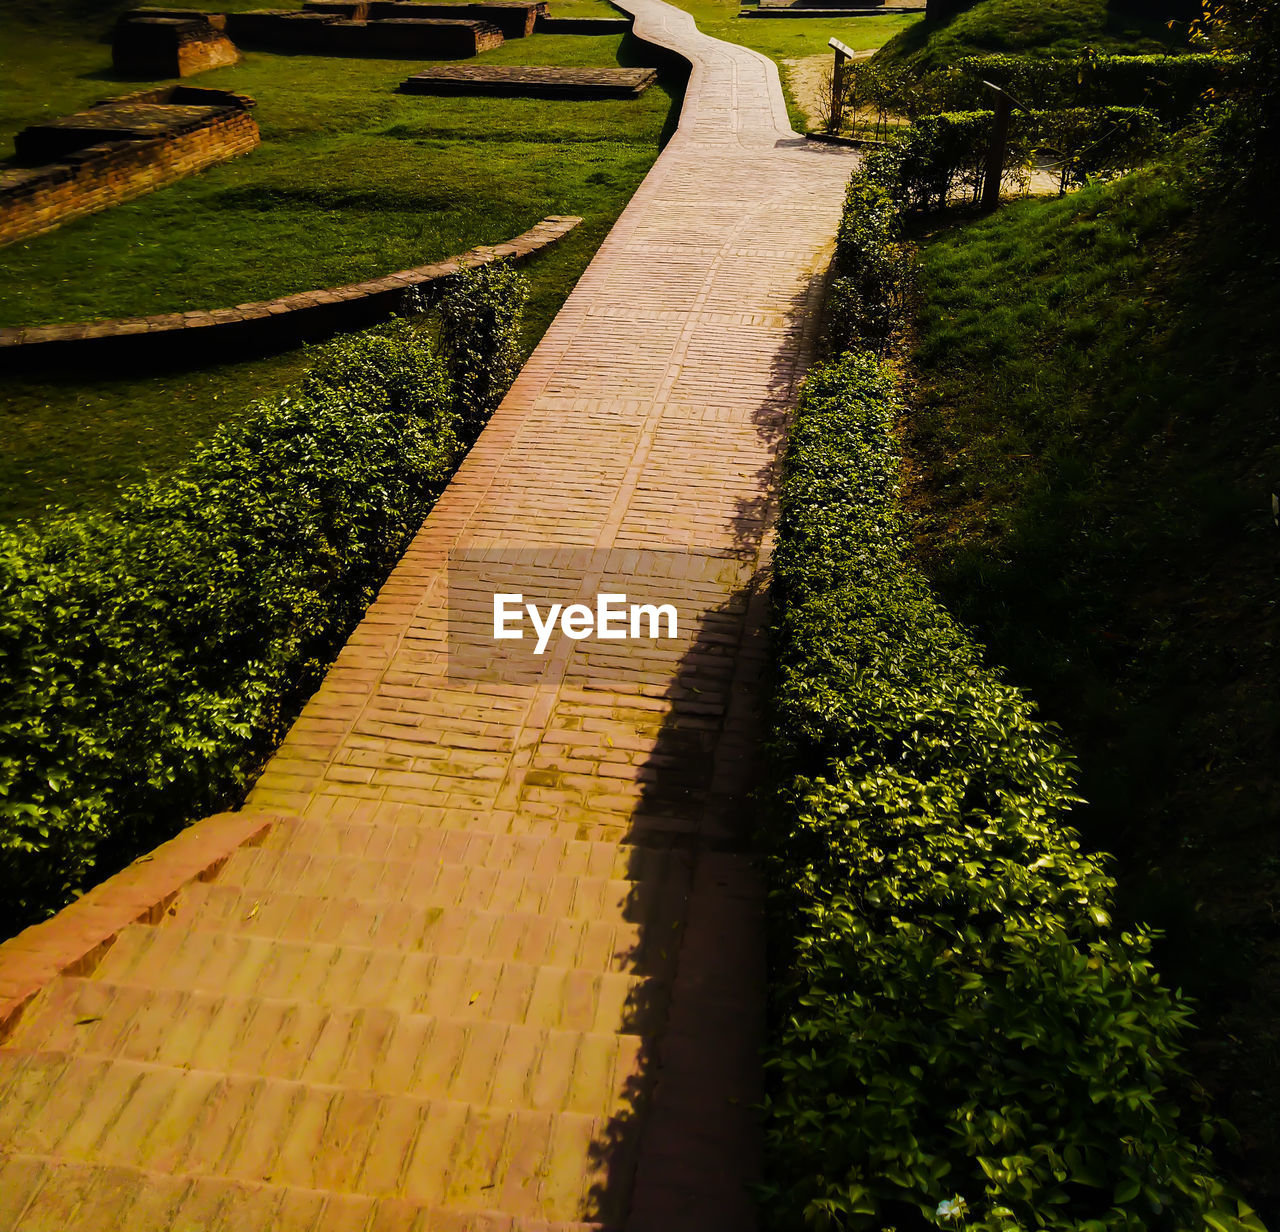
pixel 1093 446
pixel 1051 27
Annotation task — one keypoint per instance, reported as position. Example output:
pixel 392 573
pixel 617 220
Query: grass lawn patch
pixel 71 442
pixel 1060 28
pixel 1092 448
pixel 352 181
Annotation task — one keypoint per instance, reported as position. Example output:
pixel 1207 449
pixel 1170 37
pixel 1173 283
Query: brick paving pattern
pixel 489 954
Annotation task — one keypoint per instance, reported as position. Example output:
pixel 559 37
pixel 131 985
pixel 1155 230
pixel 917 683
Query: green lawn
pixel 1049 27
pixel 70 442
pixel 783 38
pixel 352 181
pixel 1092 439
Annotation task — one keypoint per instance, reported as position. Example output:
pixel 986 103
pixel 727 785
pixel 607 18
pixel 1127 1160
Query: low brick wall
pixel 531 81
pixel 34 200
pixel 514 18
pixel 323 32
pixel 583 25
pixel 159 45
pixel 254 328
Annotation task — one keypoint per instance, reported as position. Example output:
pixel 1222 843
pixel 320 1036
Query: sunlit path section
pixel 496 962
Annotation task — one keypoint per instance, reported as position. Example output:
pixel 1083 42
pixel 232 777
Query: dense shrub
pixel 961 1038
pixel 152 653
pixel 872 271
pixel 942 157
pixel 1174 87
pixel 1249 131
pixel 479 337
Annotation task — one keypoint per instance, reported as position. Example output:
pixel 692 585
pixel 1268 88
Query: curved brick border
pixel 74 940
pixel 269 325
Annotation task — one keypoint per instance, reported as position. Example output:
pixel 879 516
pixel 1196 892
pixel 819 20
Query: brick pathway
pixel 496 962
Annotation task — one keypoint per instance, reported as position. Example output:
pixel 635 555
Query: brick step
pixel 466 1061
pixel 188 960
pixel 330 815
pixel 435 883
pixel 40 1194
pixel 643 946
pixel 438 1153
pixel 553 850
pixel 538 820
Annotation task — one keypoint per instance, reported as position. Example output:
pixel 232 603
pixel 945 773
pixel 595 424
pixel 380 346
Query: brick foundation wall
pixel 515 20
pixel 36 200
pixel 326 33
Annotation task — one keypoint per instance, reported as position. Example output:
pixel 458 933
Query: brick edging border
pixel 74 941
pixel 258 327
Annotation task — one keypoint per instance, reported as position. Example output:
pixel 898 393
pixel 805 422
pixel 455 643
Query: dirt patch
pixel 809 80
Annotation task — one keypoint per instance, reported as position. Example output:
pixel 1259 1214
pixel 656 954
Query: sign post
pixel 843 53
pixel 994 172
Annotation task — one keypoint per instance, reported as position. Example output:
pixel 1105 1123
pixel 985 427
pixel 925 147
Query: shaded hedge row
pixel 943 156
pixel 154 653
pixel 960 1037
pixel 1174 87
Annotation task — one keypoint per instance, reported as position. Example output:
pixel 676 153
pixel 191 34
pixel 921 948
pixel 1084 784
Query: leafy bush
pixel 941 157
pixel 154 653
pixel 1097 141
pixel 479 337
pixel 872 271
pixel 1174 87
pixel 1249 134
pixel 961 1037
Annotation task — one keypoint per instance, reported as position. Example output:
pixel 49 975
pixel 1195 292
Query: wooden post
pixel 843 53
pixel 995 151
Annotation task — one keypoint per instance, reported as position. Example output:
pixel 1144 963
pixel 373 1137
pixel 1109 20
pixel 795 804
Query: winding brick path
pixel 491 955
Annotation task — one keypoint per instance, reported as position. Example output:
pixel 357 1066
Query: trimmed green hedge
pixel 945 154
pixel 961 1037
pixel 1175 87
pixel 872 271
pixel 155 653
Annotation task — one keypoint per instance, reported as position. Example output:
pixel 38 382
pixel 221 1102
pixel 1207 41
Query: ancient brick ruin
pixel 514 18
pixel 386 27
pixel 531 81
pixel 153 42
pixel 118 150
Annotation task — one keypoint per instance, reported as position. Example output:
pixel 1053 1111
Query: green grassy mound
pixel 1093 451
pixel 1060 28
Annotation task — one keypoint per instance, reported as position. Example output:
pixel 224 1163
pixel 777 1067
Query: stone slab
pixel 532 81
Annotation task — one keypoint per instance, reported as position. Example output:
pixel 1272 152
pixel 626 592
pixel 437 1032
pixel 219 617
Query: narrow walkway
pixel 497 962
